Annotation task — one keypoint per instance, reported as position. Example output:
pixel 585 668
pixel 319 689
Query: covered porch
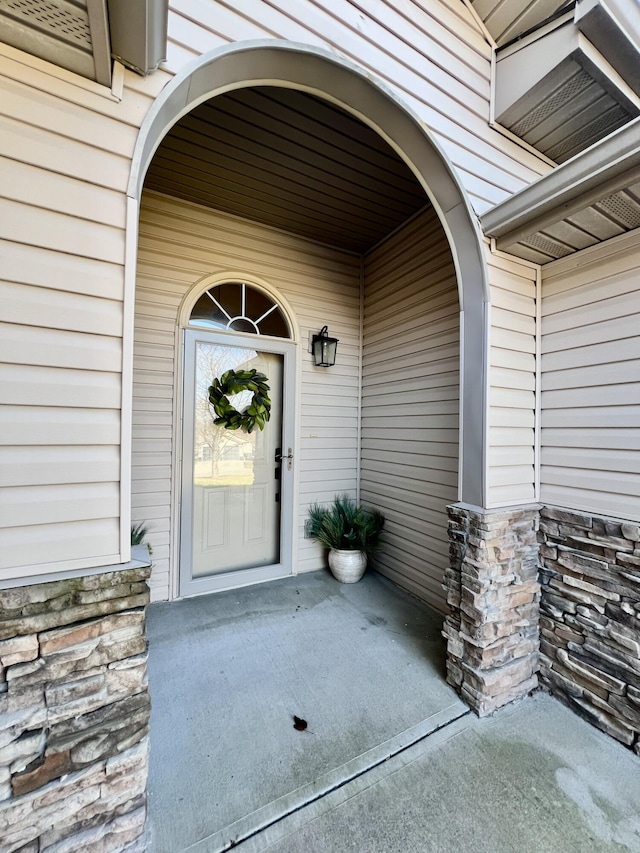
pixel 300 196
pixel 390 759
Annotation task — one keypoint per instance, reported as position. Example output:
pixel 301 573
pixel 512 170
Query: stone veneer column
pixel 74 715
pixel 493 594
pixel 590 618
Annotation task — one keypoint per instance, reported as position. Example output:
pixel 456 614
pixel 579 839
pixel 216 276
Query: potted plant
pixel 140 548
pixel 351 533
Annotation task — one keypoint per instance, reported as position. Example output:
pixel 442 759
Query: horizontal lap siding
pixel 431 53
pixel 512 377
pixel 410 402
pixel 65 158
pixel 64 162
pixel 590 457
pixel 179 244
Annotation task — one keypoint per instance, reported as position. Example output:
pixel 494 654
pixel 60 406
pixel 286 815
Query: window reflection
pixel 239 307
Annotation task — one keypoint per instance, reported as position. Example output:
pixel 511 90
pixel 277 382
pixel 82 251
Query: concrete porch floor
pixel 391 759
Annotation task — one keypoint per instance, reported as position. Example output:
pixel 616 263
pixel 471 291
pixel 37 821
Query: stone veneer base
pixel 590 618
pixel 493 595
pixel 74 702
pixel 74 715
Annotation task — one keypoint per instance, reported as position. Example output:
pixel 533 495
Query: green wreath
pixel 257 413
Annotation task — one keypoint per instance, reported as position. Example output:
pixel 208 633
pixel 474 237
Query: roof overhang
pixel 84 35
pixel 572 81
pixel 613 27
pixel 528 223
pixel 507 20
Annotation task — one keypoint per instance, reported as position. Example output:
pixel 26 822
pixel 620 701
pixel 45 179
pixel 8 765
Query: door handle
pixel 279 457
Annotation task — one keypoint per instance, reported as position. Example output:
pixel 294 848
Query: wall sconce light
pixel 324 348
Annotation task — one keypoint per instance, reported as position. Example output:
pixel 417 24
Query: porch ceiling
pixel 290 160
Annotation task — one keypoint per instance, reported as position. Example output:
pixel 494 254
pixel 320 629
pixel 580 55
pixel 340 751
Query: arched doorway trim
pixel 212 280
pixel 321 73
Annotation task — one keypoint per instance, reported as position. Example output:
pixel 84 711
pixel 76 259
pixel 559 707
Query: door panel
pixel 236 519
pixel 233 489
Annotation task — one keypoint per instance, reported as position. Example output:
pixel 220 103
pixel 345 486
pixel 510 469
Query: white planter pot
pixel 347 566
pixel 141 553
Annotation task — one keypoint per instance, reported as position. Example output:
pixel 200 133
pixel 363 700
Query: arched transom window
pixel 239 307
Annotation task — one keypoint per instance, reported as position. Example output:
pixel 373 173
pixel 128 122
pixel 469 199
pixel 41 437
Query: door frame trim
pixel 188 586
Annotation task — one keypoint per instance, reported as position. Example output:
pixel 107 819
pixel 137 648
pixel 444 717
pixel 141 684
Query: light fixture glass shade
pixel 324 349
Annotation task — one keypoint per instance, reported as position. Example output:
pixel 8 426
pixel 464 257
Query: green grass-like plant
pixel 139 532
pixel 345 526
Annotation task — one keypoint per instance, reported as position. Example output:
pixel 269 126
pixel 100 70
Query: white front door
pixel 236 519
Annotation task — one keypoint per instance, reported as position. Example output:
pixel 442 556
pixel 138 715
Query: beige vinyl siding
pixel 180 243
pixel 590 456
pixel 64 161
pixel 410 391
pixel 512 381
pixel 433 54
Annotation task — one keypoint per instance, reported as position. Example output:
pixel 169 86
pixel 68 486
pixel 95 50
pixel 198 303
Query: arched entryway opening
pixel 253 86
pixel 285 167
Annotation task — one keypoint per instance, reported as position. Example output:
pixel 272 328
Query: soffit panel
pixel 59 31
pixel 591 198
pixel 290 160
pixel 79 35
pixel 580 113
pixel 633 193
pixel 570 234
pixel 555 91
pixel 506 20
pixel 610 217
